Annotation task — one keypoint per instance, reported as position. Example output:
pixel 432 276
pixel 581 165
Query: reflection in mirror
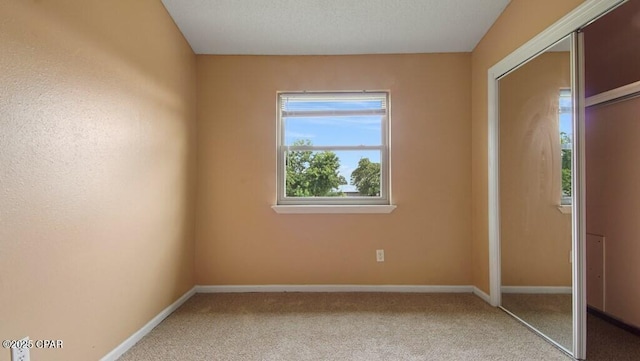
pixel 535 117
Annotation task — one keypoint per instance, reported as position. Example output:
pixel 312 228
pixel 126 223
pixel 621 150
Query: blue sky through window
pixel 355 130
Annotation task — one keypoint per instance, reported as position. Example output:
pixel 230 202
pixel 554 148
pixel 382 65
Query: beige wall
pixel 240 240
pixel 535 236
pixel 97 155
pixel 613 201
pixel 519 22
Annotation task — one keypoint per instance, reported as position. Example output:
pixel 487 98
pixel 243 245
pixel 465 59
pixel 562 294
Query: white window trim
pixel 334 209
pixel 565 208
pixel 382 204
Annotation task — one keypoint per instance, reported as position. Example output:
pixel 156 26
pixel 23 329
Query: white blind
pixel 333 104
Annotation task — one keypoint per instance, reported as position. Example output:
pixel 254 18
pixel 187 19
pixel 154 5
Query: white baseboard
pixel 480 293
pixel 560 290
pixel 133 339
pixel 335 288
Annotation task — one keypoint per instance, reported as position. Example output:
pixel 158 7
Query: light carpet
pixel 340 326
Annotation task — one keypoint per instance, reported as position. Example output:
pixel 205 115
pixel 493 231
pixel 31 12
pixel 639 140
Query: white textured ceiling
pixel 311 27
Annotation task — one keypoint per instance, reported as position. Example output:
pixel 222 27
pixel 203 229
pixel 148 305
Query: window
pixel 565 125
pixel 333 148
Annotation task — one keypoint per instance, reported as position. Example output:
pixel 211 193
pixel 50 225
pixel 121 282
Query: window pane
pixel 333 174
pixel 332 125
pixel 352 130
pixel 566 140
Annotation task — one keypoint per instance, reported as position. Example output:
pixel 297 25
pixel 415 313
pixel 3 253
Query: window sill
pixel 333 209
pixel 565 208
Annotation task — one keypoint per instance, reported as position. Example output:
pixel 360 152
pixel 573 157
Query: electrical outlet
pixel 380 255
pixel 21 354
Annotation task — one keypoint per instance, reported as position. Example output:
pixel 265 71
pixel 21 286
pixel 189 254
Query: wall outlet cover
pixel 21 354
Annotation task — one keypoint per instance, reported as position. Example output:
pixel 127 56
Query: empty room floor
pixel 340 326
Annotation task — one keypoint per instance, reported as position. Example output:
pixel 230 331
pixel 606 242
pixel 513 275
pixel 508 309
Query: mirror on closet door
pixel 535 136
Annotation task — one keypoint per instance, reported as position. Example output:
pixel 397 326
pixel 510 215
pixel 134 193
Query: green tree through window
pixel 565 143
pixel 366 178
pixel 313 174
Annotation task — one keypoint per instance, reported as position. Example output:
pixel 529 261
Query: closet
pixel 612 159
pixel 557 246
